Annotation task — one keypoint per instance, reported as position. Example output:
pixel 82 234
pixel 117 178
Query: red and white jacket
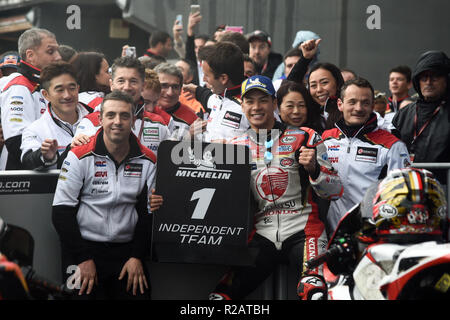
pixel 149 127
pixel 106 199
pixel 360 161
pixel 92 99
pixel 285 194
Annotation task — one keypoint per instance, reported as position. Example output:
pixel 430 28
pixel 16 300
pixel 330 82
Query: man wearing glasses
pixel 290 171
pixel 171 80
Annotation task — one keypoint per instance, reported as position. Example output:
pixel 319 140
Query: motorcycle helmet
pixel 409 205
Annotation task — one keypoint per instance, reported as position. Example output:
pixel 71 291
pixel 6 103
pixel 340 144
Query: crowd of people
pixel 320 136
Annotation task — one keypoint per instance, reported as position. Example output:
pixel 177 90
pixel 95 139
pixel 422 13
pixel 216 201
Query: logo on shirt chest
pixel 150 134
pixel 366 154
pixel 232 119
pixel 133 170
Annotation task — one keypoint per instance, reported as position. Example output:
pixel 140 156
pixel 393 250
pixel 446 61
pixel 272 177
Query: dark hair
pixel 158 37
pixel 404 70
pixel 331 106
pixel 87 66
pixel 66 52
pixel 359 82
pixel 203 36
pixel 204 52
pixel 335 72
pixel 55 69
pixel 117 95
pixel 227 58
pixel 151 62
pixel 313 112
pixel 295 52
pixel 191 65
pixel 128 62
pixel 238 39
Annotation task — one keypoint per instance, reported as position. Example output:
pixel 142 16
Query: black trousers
pixel 109 259
pixel 239 282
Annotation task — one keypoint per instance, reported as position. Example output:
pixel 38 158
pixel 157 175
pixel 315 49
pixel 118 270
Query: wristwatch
pixel 48 163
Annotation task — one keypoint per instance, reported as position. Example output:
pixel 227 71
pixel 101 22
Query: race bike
pixel 357 267
pixel 18 279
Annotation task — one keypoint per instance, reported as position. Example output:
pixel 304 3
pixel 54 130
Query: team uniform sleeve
pixel 18 110
pixel 325 182
pixel 17 113
pixel 31 141
pixel 398 156
pixel 85 127
pixel 203 94
pixel 65 208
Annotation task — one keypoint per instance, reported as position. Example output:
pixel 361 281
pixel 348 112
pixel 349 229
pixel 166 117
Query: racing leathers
pixel 286 222
pixel 21 103
pixel 49 126
pixel 361 156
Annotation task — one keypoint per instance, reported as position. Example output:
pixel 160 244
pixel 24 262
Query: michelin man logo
pixel 206 163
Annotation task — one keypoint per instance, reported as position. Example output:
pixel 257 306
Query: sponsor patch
pixel 284 148
pixel 16 103
pixel 333 159
pixel 292 132
pixel 100 163
pixel 232 119
pixel 366 154
pixel 151 134
pixel 286 162
pixel 271 183
pixel 101 174
pixel 288 139
pixel 333 148
pixel 133 170
pixel 387 211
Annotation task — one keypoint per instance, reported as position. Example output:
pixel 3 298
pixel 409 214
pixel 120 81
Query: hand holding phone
pixel 195 8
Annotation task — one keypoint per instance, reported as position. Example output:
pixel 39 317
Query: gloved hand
pixel 312 287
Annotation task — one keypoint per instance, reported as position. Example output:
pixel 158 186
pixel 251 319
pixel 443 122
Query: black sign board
pixel 205 216
pixel 28 182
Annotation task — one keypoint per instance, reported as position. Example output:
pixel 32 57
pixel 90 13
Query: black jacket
pixel 433 144
pixel 273 62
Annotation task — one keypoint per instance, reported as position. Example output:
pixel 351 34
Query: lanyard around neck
pixel 425 125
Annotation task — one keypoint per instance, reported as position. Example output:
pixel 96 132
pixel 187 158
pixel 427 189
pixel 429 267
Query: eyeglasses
pixel 166 86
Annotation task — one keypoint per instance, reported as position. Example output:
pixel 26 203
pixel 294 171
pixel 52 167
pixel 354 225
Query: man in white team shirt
pixel 44 140
pixel 20 99
pixel 224 72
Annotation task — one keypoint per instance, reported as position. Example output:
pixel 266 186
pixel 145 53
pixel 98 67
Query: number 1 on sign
pixel 204 197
